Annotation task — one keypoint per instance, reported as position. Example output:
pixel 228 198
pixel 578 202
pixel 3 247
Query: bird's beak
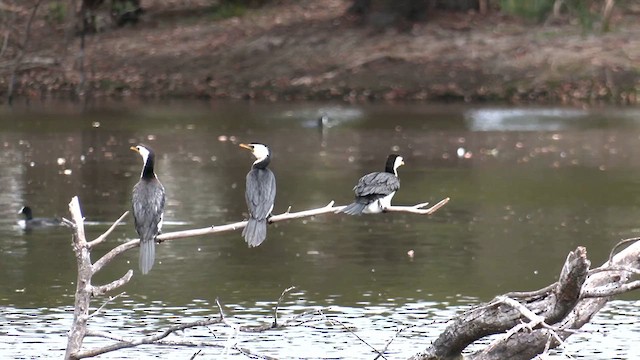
pixel 248 147
pixel 134 149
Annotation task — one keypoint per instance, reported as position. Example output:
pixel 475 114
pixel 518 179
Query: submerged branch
pixel 151 339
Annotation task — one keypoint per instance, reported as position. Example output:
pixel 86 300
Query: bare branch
pixel 296 320
pixel 195 355
pixel 329 208
pixel 534 318
pixel 106 335
pixel 108 257
pixel 103 289
pixel 530 294
pixel 614 268
pixel 151 339
pixel 103 237
pixel 246 352
pixel 620 243
pixel 275 310
pixel 610 290
pixel 395 336
pixel 78 221
pixel 358 337
pixel 110 299
pixel 418 209
pixel 535 321
pixel 68 223
pixel 239 225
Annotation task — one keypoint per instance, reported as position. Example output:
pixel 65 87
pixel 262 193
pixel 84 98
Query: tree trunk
pixel 83 283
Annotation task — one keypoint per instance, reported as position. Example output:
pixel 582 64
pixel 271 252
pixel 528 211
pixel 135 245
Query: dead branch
pixel 150 339
pixel 275 309
pixel 418 209
pixel 549 315
pixel 110 299
pixel 101 290
pixel 103 237
pixel 215 229
pixel 86 269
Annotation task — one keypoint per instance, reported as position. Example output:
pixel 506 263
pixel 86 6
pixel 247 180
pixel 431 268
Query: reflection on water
pixel 528 186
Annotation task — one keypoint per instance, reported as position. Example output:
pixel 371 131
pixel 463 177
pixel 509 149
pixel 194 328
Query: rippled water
pixel 527 186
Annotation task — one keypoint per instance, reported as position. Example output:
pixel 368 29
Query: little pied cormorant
pixel 148 207
pixel 375 191
pixel 29 222
pixel 260 194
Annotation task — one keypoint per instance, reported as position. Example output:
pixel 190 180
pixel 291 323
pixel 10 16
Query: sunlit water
pixel 528 185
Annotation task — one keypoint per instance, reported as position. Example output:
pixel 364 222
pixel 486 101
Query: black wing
pixel 260 193
pixel 377 183
pixel 148 207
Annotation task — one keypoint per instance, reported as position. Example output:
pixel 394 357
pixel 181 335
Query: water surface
pixel 527 185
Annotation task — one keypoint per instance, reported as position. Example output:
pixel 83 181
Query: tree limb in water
pixel 549 315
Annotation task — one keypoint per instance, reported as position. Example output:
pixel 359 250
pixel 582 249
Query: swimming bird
pixel 29 222
pixel 374 191
pixel 148 207
pixel 323 121
pixel 260 194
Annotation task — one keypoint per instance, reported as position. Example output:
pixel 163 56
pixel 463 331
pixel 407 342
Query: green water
pixel 527 186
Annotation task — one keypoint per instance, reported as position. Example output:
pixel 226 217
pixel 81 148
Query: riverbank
pixel 310 50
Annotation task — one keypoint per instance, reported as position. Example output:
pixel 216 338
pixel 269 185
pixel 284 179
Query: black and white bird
pixel 374 191
pixel 148 207
pixel 29 222
pixel 260 194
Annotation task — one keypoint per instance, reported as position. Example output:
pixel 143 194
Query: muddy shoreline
pixel 310 50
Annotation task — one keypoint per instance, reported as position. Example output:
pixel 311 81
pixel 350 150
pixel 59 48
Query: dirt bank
pixel 310 50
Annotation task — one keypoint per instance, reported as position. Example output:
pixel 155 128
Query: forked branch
pixel 85 291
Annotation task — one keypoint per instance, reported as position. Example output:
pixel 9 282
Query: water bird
pixel 323 122
pixel 148 200
pixel 374 191
pixel 260 194
pixel 29 222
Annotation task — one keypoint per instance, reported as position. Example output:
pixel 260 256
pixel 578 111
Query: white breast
pixel 379 205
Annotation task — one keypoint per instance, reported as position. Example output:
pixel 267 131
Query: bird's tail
pixel 355 208
pixel 147 255
pixel 255 232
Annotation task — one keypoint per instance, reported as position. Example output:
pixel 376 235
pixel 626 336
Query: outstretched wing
pixel 377 183
pixel 148 208
pixel 260 193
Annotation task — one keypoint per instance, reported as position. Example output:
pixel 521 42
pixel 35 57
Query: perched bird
pixel 148 207
pixel 29 222
pixel 260 194
pixel 375 191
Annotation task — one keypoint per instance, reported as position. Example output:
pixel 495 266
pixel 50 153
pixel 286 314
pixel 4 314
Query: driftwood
pixel 533 322
pixel 85 290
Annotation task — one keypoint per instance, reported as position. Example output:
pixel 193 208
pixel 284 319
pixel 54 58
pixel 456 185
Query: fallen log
pixel 534 322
